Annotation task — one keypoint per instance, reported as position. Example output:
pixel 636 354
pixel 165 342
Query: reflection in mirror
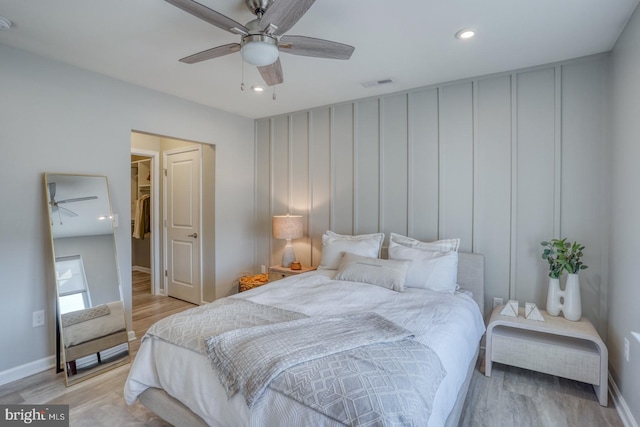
pixel 91 325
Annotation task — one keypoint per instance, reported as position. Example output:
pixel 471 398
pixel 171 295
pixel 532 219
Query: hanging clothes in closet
pixel 142 219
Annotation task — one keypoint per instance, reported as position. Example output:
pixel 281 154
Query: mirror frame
pixel 112 340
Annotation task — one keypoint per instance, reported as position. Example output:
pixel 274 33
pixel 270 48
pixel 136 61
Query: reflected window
pixel 73 292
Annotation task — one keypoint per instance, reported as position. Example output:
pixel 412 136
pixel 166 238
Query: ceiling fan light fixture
pixel 257 88
pixel 259 50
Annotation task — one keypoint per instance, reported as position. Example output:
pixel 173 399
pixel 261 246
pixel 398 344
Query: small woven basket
pixel 250 282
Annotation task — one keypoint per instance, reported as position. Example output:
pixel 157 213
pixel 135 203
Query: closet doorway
pixel 167 213
pixel 145 218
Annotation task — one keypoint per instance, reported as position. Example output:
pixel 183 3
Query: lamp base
pixel 288 256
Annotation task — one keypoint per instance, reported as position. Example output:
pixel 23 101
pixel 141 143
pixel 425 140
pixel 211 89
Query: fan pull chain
pixel 242 73
pixel 274 93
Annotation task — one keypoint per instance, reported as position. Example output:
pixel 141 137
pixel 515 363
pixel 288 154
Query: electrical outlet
pixel 263 269
pixel 626 349
pixel 497 302
pixel 38 318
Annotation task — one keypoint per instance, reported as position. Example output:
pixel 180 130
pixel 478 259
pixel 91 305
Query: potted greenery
pixel 564 256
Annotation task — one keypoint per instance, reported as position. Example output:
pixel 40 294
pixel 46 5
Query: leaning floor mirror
pixel 91 333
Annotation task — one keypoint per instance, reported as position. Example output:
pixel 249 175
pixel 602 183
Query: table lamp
pixel 287 227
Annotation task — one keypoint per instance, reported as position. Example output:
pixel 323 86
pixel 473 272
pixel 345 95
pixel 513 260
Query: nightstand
pixel 557 346
pixel 278 272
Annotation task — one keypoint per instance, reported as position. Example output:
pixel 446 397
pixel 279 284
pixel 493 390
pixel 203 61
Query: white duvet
pixel 451 324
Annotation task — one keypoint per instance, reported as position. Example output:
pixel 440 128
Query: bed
pixel 173 376
pixel 92 330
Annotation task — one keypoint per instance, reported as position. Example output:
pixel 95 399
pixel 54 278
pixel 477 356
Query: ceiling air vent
pixel 375 83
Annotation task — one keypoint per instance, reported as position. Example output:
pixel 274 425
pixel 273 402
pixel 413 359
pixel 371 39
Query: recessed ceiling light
pixel 257 88
pixel 5 24
pixel 465 34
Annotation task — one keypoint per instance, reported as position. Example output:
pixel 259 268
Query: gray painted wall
pixel 624 316
pixel 59 118
pixel 503 162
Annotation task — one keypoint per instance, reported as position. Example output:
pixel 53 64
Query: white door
pixel 182 214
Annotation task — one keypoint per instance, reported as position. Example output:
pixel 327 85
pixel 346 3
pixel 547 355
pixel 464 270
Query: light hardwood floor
pixel 523 398
pixel 510 397
pixel 99 401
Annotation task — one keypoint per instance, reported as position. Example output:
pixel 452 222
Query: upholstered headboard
pixel 471 275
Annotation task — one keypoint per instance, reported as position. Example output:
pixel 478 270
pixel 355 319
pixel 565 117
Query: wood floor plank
pixel 510 397
pixel 520 397
pixel 99 401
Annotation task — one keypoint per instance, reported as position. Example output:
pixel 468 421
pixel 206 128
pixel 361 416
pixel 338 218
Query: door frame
pixel 196 147
pixel 155 218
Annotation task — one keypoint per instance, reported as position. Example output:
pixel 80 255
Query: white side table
pixel 277 272
pixel 557 346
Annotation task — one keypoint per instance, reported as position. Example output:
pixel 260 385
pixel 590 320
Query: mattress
pixel 449 324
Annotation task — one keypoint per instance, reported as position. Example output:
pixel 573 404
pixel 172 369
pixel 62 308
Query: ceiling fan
pixel 262 38
pixel 55 204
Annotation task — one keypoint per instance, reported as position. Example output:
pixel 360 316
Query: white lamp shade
pixel 287 226
pixel 259 53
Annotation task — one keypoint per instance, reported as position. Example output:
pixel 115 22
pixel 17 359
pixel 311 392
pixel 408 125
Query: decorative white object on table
pixel 510 309
pixel 571 308
pixel 564 256
pixel 553 297
pixel 531 312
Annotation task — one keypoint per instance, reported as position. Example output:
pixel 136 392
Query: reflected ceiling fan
pixel 55 204
pixel 262 38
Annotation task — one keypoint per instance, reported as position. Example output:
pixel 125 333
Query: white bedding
pixel 95 328
pixel 451 324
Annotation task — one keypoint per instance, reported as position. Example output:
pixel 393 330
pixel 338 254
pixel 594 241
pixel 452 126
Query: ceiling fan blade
pixel 318 48
pixel 211 53
pixel 284 14
pixel 77 199
pixel 209 15
pixel 52 191
pixel 272 74
pixel 66 211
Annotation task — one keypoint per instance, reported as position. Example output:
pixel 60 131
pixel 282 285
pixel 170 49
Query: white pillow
pixel 335 245
pixel 445 245
pixel 389 274
pixel 429 269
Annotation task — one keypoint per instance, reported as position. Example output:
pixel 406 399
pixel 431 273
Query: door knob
pixel 194 235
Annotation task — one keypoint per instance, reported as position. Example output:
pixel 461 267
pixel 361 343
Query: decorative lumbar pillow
pixel 445 245
pixel 436 270
pixel 389 274
pixel 335 245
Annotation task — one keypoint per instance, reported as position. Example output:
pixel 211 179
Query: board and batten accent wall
pixel 502 162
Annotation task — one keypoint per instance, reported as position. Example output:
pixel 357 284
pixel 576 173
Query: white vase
pixel 572 307
pixel 553 297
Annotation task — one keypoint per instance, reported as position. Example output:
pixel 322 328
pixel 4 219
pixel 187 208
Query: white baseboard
pixel 37 366
pixel 141 269
pixel 621 405
pixel 28 369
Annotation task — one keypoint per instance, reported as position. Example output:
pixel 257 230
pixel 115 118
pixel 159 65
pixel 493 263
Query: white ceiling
pixel 409 41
